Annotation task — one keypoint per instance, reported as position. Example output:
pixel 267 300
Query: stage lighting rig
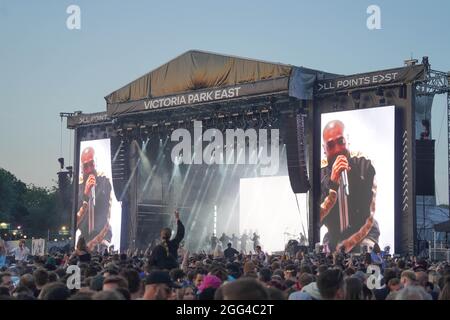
pixel 61 163
pixel 410 62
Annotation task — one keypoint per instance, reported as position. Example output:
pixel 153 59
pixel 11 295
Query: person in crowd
pixel 165 256
pixel 114 282
pixel 353 289
pixel 445 292
pixel 158 286
pixel 260 255
pixel 230 253
pixel 54 291
pixel 331 284
pixel 40 279
pixel 135 287
pixel 6 281
pixel 382 293
pixel 81 252
pixel 2 253
pixel 21 252
pixel 243 289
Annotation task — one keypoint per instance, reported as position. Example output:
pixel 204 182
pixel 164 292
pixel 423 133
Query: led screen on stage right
pixel 361 145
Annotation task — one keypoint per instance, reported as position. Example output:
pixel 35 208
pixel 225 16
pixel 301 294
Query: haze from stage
pixel 268 205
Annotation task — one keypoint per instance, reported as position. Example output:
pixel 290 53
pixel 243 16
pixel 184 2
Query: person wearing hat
pixel 158 286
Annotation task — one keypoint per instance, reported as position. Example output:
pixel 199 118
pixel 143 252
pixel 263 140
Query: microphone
pixel 344 179
pixel 93 194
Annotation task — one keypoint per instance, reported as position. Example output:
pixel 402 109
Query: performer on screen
pixel 94 203
pixel 348 217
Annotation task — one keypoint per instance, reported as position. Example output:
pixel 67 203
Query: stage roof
pixel 197 77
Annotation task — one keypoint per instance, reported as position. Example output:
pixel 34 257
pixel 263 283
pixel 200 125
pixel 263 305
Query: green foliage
pixel 35 208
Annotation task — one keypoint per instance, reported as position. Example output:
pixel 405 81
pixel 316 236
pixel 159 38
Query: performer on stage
pixel 255 240
pixel 349 218
pixel 94 203
pixel 224 239
pixel 244 239
pixel 234 241
pixel 213 242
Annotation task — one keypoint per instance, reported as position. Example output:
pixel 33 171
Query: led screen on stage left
pixel 99 213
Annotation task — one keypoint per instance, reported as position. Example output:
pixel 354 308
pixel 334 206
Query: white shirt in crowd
pixel 21 254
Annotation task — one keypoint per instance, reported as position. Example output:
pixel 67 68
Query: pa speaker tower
pixel 425 167
pixel 296 153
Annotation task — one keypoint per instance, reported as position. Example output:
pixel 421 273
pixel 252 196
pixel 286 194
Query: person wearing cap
pixel 158 286
pixel 165 255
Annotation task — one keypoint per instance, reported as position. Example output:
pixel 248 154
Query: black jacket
pixel 361 180
pixel 160 258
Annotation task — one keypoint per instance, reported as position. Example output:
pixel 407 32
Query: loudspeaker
pixel 296 153
pixel 119 166
pixel 425 167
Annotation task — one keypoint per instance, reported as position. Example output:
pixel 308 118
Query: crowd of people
pixel 169 272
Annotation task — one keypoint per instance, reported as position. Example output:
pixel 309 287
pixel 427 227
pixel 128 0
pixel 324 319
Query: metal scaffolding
pixel 437 82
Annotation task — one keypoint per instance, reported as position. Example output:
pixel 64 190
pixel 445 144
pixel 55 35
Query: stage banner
pixel 371 79
pixel 81 119
pixel 38 247
pixel 200 96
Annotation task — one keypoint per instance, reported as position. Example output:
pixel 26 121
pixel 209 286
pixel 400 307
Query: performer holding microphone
pixel 348 192
pixel 94 198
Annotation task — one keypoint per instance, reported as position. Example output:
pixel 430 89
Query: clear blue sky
pixel 46 68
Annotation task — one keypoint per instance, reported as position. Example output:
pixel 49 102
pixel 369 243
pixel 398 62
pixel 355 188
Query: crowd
pixel 169 272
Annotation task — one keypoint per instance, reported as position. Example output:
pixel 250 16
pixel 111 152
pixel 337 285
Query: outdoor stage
pixel 386 109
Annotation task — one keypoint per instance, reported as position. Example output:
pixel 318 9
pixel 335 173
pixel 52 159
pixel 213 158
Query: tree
pixel 42 208
pixel 11 193
pixel 36 209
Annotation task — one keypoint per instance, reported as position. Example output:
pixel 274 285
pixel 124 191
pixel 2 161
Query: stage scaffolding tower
pixel 437 82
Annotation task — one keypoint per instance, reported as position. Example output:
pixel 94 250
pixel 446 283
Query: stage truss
pixel 437 82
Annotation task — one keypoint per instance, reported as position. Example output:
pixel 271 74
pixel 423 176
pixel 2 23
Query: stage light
pixel 19 227
pixel 410 62
pixel 24 236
